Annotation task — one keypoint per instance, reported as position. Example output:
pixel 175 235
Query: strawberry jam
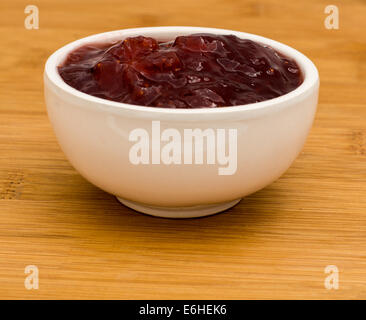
pixel 196 71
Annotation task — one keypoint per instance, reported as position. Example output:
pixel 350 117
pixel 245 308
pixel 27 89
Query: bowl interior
pixel 308 69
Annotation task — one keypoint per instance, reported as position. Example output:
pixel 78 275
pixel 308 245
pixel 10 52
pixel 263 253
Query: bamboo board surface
pixel 274 244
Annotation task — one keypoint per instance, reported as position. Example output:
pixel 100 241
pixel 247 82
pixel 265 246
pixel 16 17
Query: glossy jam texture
pixel 196 71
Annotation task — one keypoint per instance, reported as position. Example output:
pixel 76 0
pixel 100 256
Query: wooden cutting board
pixel 275 244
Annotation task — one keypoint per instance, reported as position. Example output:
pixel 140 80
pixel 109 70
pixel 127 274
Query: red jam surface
pixel 196 71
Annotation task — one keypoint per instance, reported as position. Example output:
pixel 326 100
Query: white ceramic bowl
pixel 94 135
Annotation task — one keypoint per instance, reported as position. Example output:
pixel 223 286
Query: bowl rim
pixel 309 70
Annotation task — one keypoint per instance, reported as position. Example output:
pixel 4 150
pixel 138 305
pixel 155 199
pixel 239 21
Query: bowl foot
pixel 179 212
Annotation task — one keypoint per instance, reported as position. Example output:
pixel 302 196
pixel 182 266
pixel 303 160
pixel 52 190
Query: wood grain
pixel 274 244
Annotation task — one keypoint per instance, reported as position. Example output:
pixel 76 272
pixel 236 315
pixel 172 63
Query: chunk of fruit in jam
pixel 195 71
